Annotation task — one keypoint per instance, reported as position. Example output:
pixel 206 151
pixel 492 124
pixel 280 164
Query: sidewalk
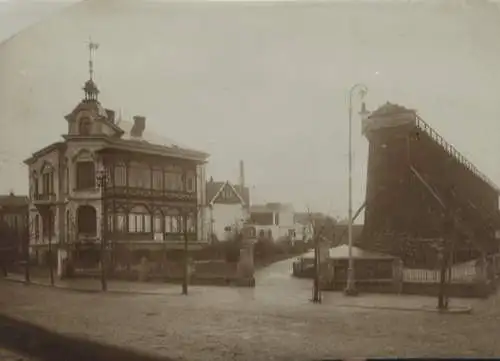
pixel 402 303
pixel 219 323
pixel 264 295
pixel 94 285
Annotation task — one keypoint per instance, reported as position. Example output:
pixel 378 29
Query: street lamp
pixel 102 179
pixel 351 287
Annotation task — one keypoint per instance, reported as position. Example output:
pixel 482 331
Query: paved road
pixel 274 321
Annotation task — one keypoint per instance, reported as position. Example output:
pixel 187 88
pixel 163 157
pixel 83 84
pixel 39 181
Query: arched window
pixel 139 220
pixel 68 226
pixel 139 176
pixel 157 179
pixel 191 222
pixel 173 221
pixel 87 220
pixel 37 227
pixel 173 178
pixel 158 223
pixel 47 179
pixel 48 225
pixel 119 224
pixel 85 126
pixel 190 182
pixel 120 175
pixel 85 175
pixel 66 178
pixel 34 184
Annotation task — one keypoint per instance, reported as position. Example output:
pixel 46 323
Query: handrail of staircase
pixel 450 149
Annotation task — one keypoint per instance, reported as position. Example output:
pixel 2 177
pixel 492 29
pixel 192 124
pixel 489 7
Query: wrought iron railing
pixel 45 197
pixel 451 150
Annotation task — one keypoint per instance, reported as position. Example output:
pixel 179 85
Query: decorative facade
pixel 152 194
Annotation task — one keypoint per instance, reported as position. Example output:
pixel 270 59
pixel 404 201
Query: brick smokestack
pixel 139 126
pixel 242 176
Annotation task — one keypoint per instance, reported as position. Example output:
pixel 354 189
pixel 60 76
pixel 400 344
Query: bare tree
pixel 318 230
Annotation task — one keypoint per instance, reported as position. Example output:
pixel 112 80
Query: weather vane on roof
pixel 92 48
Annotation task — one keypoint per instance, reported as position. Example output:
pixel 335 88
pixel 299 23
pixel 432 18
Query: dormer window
pixel 85 126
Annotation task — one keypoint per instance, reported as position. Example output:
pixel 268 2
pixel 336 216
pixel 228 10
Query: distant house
pixel 227 207
pixel 13 225
pixel 307 222
pixel 273 220
pixel 304 228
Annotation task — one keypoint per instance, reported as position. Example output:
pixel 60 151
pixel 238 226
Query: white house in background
pixel 304 229
pixel 275 219
pixel 227 207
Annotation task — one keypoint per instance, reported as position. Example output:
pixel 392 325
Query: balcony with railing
pixel 124 191
pixel 44 198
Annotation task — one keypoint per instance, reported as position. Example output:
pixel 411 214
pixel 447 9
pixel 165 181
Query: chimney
pixel 138 127
pixel 242 176
pixel 110 114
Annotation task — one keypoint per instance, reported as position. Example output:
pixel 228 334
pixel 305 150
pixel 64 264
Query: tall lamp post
pixel 185 280
pixel 351 286
pixel 102 179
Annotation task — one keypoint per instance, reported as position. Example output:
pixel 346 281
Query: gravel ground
pixel 189 328
pixel 274 321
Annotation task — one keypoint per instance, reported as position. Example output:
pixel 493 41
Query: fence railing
pixel 460 273
pixel 450 149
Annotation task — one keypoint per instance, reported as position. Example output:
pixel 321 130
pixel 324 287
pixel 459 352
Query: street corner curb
pixel 463 310
pixel 132 293
pixel 454 310
pixel 13 280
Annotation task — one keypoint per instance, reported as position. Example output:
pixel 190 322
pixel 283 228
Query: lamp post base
pixel 350 291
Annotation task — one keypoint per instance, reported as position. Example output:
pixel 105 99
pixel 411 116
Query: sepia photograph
pixel 237 180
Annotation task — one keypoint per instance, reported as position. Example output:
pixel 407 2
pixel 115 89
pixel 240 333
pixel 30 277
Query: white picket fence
pixel 460 273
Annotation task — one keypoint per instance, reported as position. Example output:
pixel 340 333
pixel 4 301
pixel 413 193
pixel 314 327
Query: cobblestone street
pixel 273 321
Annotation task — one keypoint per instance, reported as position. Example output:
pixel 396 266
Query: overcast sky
pixel 262 82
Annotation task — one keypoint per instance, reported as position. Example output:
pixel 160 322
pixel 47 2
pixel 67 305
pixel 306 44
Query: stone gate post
pixel 397 275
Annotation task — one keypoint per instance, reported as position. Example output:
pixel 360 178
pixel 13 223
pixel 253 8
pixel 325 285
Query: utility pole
pixel 50 219
pixel 102 181
pixel 442 275
pixel 351 286
pixel 185 280
pixel 445 257
pixel 27 250
pixel 316 286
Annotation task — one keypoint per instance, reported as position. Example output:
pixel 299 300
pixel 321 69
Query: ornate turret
pixel 91 90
